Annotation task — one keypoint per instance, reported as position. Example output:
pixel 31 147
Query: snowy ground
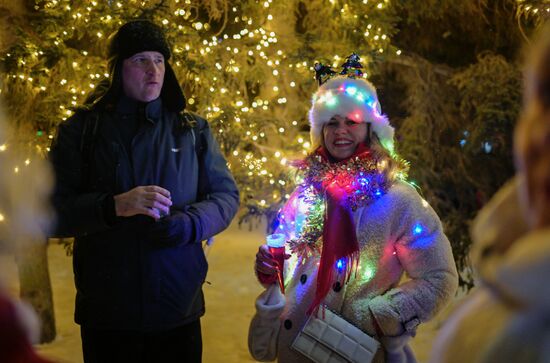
pixel 229 296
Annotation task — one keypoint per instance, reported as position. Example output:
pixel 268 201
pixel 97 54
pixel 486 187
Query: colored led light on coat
pixel 369 273
pixel 417 229
pixel 351 90
pixel 332 101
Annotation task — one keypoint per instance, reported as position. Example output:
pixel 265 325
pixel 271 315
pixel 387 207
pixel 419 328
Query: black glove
pixel 177 228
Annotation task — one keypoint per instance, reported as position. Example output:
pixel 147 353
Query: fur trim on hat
pixel 354 98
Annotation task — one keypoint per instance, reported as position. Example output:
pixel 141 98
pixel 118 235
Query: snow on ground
pixel 230 294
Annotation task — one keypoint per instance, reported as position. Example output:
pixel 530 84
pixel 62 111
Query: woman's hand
pixel 265 263
pixel 266 266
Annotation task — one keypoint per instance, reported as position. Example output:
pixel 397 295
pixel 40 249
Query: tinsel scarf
pixel 339 184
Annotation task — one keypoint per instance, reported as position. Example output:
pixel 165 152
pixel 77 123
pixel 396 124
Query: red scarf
pixel 339 238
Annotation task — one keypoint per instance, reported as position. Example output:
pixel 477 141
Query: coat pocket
pixel 184 269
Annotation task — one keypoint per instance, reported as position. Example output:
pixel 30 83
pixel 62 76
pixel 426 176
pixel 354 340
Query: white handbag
pixel 332 339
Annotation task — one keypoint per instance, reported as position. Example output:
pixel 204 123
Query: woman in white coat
pixel 363 243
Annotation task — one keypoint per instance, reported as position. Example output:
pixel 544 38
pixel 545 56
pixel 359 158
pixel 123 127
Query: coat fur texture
pixel 406 275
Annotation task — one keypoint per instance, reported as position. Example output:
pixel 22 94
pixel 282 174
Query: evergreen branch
pixel 225 18
pixel 415 61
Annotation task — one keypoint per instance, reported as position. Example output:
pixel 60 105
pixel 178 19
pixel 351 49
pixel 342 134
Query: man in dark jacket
pixel 140 184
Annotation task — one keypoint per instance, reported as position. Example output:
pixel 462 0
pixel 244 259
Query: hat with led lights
pixel 349 95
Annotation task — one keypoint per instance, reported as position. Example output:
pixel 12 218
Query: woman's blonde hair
pixel 395 166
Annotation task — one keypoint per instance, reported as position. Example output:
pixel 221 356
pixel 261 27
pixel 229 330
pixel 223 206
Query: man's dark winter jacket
pixel 126 277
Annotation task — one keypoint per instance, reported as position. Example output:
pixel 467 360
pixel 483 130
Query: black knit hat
pixel 138 36
pixel 134 37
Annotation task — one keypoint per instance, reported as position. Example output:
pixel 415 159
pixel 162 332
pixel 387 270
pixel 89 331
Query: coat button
pixel 337 286
pixel 288 324
pixel 303 279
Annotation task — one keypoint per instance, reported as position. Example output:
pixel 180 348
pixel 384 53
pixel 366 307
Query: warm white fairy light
pixel 261 46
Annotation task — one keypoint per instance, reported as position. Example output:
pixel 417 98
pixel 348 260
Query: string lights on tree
pixel 240 63
pixel 451 87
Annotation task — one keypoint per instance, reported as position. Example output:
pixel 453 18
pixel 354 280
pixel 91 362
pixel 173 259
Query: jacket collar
pixel 131 107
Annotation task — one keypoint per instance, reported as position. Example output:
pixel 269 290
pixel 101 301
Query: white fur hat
pixel 354 98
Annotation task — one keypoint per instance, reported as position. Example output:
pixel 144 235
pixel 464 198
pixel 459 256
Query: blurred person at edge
pixel 26 216
pixel 506 318
pixel 375 229
pixel 139 200
pixel 19 329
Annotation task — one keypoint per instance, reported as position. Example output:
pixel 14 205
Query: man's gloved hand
pixel 177 228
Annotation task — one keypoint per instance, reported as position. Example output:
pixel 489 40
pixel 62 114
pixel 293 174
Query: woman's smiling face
pixel 342 135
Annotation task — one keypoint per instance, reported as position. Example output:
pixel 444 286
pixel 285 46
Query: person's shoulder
pixel 403 196
pixel 76 120
pixel 402 189
pixel 201 121
pixel 191 121
pixel 81 114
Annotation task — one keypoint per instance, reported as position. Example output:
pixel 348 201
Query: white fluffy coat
pixel 399 235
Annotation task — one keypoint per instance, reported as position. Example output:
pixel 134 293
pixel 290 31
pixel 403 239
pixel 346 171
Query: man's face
pixel 143 76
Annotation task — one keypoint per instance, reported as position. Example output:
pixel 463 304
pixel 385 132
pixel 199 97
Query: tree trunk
pixel 35 286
